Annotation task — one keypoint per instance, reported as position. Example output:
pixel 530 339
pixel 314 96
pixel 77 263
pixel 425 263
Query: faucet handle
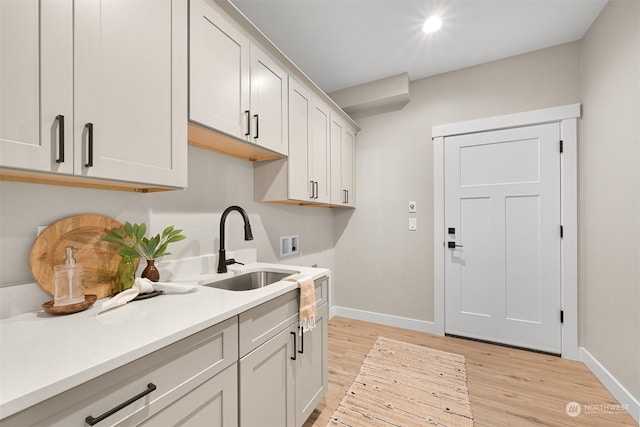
pixel 233 261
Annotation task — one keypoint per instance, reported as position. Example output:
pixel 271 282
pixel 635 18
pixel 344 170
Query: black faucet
pixel 222 260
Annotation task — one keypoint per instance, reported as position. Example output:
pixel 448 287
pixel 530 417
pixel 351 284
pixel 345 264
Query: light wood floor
pixel 507 387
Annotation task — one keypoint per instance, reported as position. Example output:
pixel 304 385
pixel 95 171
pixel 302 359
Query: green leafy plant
pixel 134 244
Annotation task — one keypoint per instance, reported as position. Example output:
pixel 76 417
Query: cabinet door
pixel 218 72
pixel 342 164
pixel 214 404
pixel 348 166
pixel 267 383
pixel 299 142
pixel 269 116
pixel 311 367
pixel 319 151
pixel 337 192
pixel 36 86
pixel 130 68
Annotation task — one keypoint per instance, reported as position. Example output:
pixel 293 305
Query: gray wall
pixel 610 193
pixel 380 265
pixel 215 182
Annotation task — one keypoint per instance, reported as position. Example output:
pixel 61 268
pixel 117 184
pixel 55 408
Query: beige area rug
pixel 401 384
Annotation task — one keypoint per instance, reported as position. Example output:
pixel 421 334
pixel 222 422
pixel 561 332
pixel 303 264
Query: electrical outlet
pixel 412 206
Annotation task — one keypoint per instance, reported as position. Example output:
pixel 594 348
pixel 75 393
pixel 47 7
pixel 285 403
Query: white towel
pixel 143 286
pixel 307 311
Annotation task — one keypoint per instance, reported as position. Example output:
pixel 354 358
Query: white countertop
pixel 42 355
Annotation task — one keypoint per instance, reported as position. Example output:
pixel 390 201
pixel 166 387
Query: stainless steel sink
pixel 251 280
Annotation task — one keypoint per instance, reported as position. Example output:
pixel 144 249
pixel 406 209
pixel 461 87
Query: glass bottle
pixel 68 281
pixel 126 274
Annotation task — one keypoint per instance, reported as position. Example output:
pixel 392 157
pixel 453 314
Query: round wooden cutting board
pixel 84 232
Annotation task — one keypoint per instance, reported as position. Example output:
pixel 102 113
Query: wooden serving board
pixel 84 232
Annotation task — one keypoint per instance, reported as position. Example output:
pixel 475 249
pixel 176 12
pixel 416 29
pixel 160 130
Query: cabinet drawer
pixel 322 295
pixel 263 322
pixel 212 404
pixel 174 370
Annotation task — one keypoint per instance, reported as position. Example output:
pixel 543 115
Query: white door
pixel 502 211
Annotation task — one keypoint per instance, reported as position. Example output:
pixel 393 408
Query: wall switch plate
pixel 413 224
pixel 412 206
pixel 289 245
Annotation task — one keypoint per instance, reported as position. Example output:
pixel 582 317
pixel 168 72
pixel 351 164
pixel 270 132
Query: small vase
pixel 126 275
pixel 150 271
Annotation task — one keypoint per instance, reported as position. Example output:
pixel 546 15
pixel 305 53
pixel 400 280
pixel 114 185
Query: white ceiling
pixel 342 43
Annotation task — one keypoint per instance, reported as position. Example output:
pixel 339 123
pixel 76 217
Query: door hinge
pixel 561 316
pixel 561 146
pixel 561 232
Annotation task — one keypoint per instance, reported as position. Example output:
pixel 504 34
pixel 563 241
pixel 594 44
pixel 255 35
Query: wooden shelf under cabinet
pixel 208 139
pixel 32 177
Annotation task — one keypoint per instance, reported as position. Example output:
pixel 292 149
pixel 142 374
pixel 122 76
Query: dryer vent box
pixel 289 245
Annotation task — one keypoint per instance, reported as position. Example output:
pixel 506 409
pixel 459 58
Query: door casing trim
pixel 567 116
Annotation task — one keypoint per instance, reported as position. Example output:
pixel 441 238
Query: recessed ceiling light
pixel 432 24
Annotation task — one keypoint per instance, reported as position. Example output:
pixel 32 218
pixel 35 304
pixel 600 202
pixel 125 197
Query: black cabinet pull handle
pixel 248 132
pixel 313 190
pixel 301 351
pixel 344 196
pixel 93 421
pixel 255 116
pixel 347 195
pixel 315 183
pixel 89 127
pixel 60 119
pixel 294 346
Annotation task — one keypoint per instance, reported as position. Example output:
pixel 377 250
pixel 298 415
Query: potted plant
pixel 133 244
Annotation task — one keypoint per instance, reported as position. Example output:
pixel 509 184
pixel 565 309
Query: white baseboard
pixel 384 319
pixel 615 388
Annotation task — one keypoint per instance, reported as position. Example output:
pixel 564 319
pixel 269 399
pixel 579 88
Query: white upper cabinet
pixel 308 161
pixel 342 163
pixel 300 184
pixel 319 151
pixel 234 87
pixel 36 85
pixel 114 73
pixel 320 167
pixel 130 90
pixel 269 107
pixel 218 72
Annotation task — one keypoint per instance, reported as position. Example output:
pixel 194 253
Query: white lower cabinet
pixel 283 379
pixel 252 370
pixel 173 375
pixel 267 383
pixel 311 367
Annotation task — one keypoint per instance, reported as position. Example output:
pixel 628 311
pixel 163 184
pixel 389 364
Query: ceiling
pixel 342 43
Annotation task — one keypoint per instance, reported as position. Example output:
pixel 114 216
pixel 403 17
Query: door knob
pixel 452 245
